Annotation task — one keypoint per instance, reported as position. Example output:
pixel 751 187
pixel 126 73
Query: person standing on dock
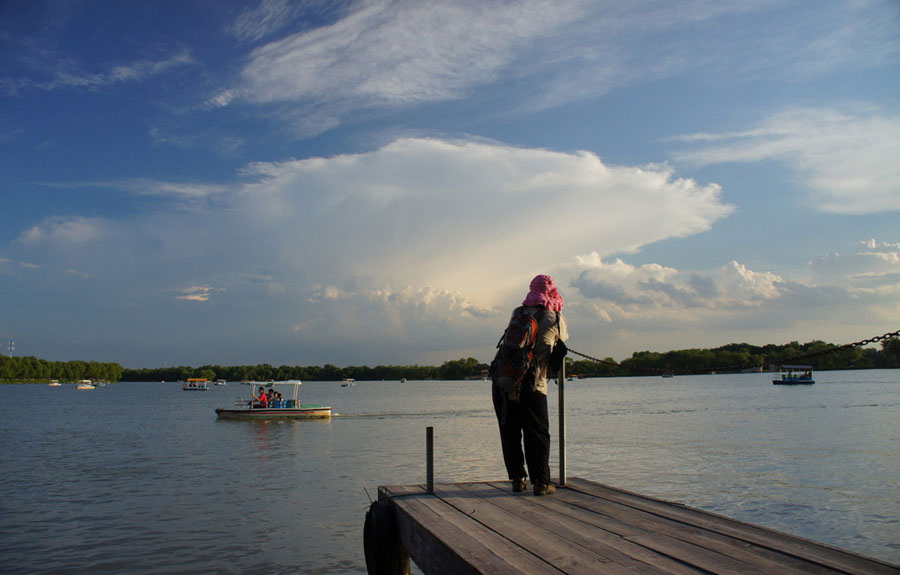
pixel 522 414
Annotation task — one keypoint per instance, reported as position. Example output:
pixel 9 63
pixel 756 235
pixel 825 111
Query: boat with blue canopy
pixel 795 375
pixel 279 408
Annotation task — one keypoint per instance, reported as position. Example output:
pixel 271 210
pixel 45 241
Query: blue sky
pixel 377 182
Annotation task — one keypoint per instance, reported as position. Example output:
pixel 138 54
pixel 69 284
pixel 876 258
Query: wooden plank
pixel 613 516
pixel 575 524
pixel 461 545
pixel 601 514
pixel 562 502
pixel 811 551
pixel 564 555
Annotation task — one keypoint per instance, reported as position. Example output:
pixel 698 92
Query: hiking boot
pixel 518 485
pixel 544 489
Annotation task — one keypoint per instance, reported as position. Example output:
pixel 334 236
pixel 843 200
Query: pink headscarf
pixel 543 292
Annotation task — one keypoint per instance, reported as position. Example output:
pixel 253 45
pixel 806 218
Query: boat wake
pixel 409 415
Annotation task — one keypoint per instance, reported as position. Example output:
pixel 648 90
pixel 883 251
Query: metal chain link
pixel 761 366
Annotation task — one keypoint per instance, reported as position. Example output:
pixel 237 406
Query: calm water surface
pixel 143 478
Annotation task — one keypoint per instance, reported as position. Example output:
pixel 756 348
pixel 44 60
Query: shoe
pixel 544 489
pixel 518 485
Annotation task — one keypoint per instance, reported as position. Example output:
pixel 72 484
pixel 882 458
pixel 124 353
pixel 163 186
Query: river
pixel 143 478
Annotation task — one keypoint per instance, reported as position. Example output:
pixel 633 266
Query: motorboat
pixel 249 409
pixel 795 375
pixel 196 384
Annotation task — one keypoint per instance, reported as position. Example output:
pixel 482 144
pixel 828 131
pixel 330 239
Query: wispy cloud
pixel 64 231
pixel 387 55
pixel 540 54
pixel 66 72
pixel 149 187
pixel 198 293
pixel 272 16
pixel 394 53
pixel 847 159
pixel 873 262
pixel 861 34
pixel 5 262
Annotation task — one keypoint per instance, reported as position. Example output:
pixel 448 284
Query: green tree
pixel 457 369
pixel 890 352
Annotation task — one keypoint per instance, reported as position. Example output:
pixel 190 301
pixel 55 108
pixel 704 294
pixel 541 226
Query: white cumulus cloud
pixel 465 215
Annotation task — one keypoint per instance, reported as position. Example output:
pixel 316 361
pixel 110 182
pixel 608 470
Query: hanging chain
pixel 760 366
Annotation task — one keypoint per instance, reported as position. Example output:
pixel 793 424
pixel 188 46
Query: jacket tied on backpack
pixel 523 351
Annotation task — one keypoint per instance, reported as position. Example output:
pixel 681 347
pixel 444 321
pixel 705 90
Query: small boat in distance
pixel 85 384
pixel 196 384
pixel 221 382
pixel 348 382
pixel 55 383
pixel 278 409
pixel 795 375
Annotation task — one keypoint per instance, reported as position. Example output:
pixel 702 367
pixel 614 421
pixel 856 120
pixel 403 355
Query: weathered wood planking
pixel 590 529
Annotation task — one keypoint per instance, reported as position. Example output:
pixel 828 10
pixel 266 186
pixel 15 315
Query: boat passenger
pixel 261 401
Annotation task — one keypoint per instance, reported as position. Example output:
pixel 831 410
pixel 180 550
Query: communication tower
pixel 12 346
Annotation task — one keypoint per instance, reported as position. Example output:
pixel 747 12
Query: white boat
pixel 348 382
pixel 55 383
pixel 221 382
pixel 85 384
pixel 248 409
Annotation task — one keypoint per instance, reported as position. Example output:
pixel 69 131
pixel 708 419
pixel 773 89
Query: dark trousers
pixel 525 419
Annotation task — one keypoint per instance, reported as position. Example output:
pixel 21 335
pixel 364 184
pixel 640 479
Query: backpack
pixel 515 352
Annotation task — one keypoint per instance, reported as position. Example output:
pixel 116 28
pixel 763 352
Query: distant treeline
pixel 29 368
pixel 737 356
pixel 726 358
pixel 450 370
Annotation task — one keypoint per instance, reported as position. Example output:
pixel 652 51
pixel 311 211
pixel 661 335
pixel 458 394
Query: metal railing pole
pixel 562 424
pixel 429 456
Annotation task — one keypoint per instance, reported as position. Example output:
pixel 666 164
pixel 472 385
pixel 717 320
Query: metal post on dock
pixel 429 456
pixel 562 424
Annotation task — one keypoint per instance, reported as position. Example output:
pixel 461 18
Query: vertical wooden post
pixel 562 424
pixel 429 457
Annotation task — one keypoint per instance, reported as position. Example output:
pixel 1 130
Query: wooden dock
pixel 584 528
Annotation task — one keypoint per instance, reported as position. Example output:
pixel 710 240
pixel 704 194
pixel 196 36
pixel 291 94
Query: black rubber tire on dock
pixel 380 542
